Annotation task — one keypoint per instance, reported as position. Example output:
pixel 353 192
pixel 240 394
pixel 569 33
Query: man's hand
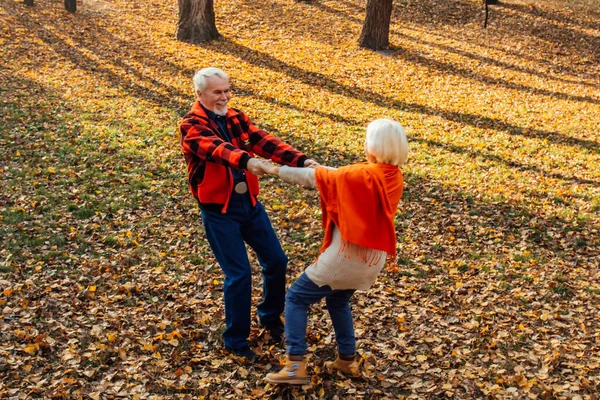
pixel 310 163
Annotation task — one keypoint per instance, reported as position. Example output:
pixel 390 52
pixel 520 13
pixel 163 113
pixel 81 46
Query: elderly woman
pixel 358 204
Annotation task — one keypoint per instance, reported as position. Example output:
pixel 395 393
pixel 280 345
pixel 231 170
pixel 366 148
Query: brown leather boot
pixel 349 368
pixel 293 373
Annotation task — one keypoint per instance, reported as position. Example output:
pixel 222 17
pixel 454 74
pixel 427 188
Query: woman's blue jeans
pixel 227 234
pixel 300 296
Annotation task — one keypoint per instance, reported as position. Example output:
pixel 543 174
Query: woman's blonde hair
pixel 386 142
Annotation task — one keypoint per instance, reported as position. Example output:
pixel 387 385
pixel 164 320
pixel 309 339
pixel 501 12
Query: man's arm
pixel 272 148
pixel 198 139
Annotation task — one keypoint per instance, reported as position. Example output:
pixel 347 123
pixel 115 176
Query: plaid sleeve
pixel 270 147
pixel 199 140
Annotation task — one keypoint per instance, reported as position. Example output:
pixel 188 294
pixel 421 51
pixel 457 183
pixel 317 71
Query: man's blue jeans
pixel 226 234
pixel 300 296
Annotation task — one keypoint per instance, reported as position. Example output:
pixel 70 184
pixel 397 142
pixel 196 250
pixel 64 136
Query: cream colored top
pixel 342 265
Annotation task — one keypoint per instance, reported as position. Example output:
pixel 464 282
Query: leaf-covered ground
pixel 108 287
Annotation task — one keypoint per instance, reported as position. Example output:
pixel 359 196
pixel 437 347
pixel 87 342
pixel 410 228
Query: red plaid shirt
pixel 210 157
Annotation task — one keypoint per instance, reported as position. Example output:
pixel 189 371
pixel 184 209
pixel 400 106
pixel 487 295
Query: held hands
pixel 271 168
pixel 310 163
pixel 261 167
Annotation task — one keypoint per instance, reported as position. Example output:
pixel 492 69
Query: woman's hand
pixel 310 163
pixel 270 168
pixel 255 166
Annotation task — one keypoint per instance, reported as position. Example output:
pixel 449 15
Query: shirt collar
pixel 211 115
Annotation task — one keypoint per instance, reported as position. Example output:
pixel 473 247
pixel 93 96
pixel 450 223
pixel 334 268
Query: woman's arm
pixel 300 176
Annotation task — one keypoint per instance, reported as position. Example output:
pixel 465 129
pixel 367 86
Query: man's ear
pixel 198 94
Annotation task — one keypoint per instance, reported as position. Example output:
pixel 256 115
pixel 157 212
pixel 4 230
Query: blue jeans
pixel 300 296
pixel 227 233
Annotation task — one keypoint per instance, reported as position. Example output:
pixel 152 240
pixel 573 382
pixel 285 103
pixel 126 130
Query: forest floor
pixel 108 288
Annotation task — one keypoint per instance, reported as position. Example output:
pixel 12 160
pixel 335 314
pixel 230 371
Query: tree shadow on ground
pixel 91 181
pixel 575 17
pixel 460 14
pixel 457 13
pixel 450 68
pixel 316 79
pixel 261 59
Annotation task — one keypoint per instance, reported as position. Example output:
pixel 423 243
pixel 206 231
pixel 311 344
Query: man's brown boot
pixel 293 373
pixel 349 368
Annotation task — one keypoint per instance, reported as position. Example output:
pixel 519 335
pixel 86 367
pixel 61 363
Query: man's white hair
pixel 201 77
pixel 387 142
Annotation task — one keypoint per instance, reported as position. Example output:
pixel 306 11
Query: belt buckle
pixel 240 188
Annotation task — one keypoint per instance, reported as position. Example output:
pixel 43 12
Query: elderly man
pixel 219 145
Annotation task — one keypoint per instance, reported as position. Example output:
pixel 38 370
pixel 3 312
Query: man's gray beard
pixel 222 112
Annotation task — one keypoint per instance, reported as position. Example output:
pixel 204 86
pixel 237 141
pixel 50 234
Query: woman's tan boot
pixel 293 373
pixel 349 368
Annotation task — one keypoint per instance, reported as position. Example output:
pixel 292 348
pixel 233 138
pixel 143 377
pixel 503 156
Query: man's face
pixel 216 95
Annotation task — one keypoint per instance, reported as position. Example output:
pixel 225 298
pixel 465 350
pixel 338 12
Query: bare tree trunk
pixel 196 21
pixel 71 5
pixel 376 28
pixel 28 3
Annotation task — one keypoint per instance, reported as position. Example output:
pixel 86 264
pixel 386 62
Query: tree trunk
pixel 28 3
pixel 376 28
pixel 196 21
pixel 71 5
